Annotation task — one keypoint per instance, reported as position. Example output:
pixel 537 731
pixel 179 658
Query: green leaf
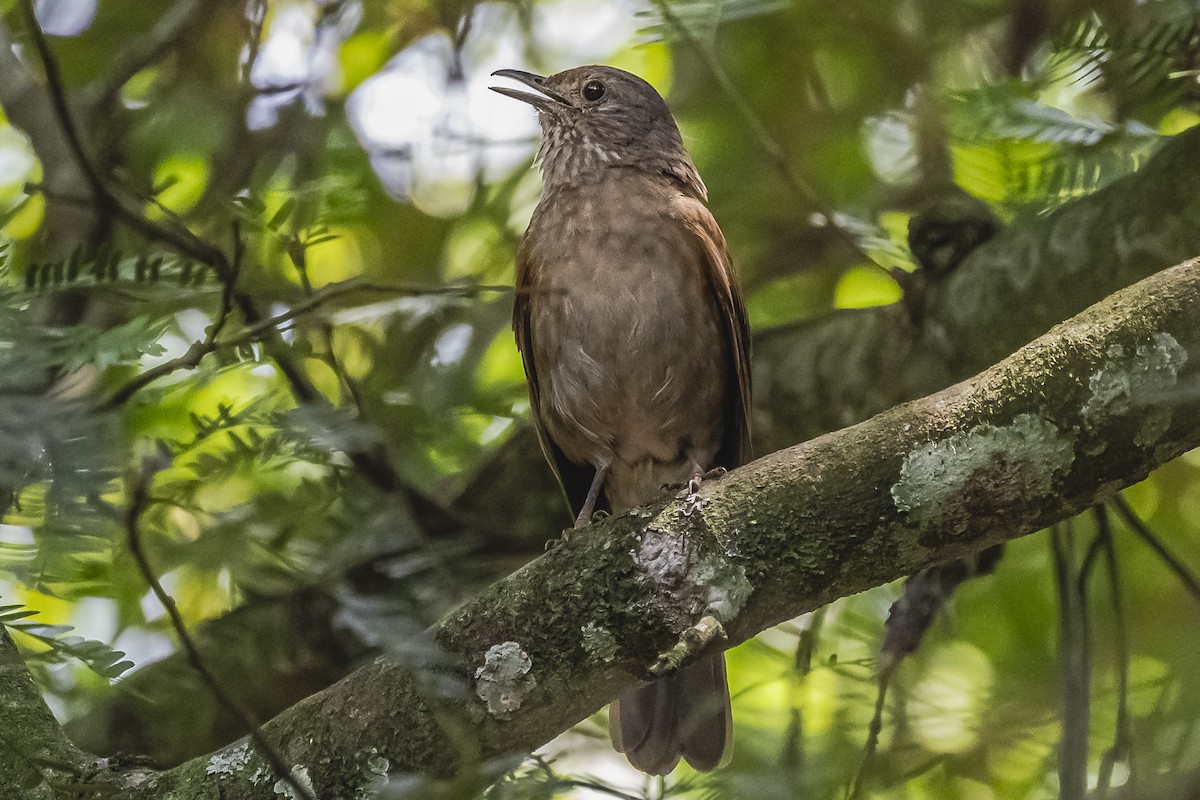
pixel 62 646
pixel 280 217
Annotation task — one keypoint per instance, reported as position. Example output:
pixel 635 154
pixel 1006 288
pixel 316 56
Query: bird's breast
pixel 627 341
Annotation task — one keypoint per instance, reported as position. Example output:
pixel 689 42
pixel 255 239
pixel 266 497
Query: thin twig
pixel 173 232
pixel 762 136
pixel 792 753
pixel 265 328
pixel 139 498
pixel 1122 736
pixel 58 99
pixel 598 788
pixel 1143 531
pixel 191 358
pixel 854 790
pixel 574 783
pixel 260 329
pixel 256 18
pixel 142 51
pixel 1076 667
pixel 297 253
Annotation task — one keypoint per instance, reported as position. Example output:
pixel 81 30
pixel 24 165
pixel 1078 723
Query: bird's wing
pixel 575 479
pixel 698 221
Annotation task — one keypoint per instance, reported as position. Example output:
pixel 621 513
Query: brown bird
pixel 632 330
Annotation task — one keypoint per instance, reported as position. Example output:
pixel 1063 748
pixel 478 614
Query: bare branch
pixel 1143 532
pixel 58 98
pixel 320 297
pixel 1075 656
pixel 143 51
pixel 198 350
pixel 1122 737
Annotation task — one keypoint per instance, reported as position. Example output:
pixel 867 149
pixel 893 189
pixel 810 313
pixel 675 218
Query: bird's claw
pixel 554 544
pixel 580 522
pixel 583 522
pixel 692 501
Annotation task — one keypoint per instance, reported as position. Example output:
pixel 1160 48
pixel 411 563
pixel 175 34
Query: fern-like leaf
pixel 59 646
pixel 1129 62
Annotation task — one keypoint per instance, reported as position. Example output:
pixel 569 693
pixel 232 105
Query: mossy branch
pixel 820 376
pixel 1087 409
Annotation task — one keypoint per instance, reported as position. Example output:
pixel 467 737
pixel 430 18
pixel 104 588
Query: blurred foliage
pixel 356 222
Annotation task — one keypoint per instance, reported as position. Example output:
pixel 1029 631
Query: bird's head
pixel 596 117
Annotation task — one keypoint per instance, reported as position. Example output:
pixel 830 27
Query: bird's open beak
pixel 544 101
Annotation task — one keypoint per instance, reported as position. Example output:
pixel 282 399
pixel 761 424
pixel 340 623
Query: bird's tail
pixel 683 715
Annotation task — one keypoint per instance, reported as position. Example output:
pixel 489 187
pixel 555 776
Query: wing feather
pixel 575 479
pixel 700 224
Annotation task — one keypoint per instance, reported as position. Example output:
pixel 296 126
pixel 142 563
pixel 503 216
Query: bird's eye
pixel 593 91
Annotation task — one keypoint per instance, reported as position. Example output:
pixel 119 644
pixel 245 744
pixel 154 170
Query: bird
pixel 633 333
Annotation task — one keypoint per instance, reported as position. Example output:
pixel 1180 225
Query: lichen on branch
pixel 1030 441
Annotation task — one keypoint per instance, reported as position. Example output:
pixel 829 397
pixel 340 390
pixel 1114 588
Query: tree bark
pixel 1085 410
pixel 818 376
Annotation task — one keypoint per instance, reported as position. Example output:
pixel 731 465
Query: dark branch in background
pixel 141 52
pixel 825 519
pixel 809 629
pixel 28 107
pixel 139 495
pixel 1075 656
pixel 1143 532
pixel 820 375
pixel 1122 744
pixel 199 349
pixel 261 329
pixel 855 789
pixel 374 466
pixel 923 598
pixel 58 97
pixel 935 161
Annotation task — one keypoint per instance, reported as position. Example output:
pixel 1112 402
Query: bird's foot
pixel 699 477
pixel 693 483
pixel 695 639
pixel 692 502
pixel 580 522
pixel 554 544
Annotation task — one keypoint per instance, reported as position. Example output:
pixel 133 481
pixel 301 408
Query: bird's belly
pixel 635 379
